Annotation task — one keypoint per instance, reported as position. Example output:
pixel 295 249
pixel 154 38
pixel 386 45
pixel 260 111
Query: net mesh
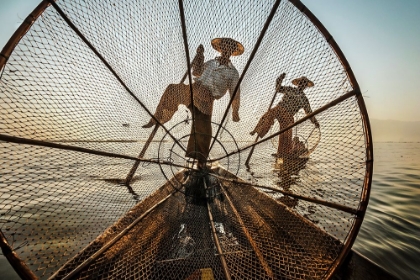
pixel 73 106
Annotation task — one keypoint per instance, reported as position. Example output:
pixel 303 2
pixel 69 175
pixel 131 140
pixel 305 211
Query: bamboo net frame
pixel 73 99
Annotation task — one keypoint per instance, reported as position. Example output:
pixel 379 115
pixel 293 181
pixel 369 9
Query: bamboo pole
pixel 136 164
pixel 20 32
pixel 367 130
pixel 365 191
pixel 187 56
pixel 216 240
pixel 254 245
pixel 88 261
pixel 33 142
pixel 337 206
pixel 18 265
pixel 269 107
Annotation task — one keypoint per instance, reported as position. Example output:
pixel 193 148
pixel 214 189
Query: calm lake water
pixel 390 234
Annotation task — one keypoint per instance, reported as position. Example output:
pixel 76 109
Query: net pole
pixel 364 200
pixel 336 206
pixel 330 40
pixel 92 258
pixel 317 142
pixel 216 240
pixel 136 164
pixel 187 55
pixel 20 32
pixel 254 245
pixel 18 265
pixel 33 142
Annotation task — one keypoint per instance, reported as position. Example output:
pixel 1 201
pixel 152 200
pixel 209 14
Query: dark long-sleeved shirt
pixel 294 99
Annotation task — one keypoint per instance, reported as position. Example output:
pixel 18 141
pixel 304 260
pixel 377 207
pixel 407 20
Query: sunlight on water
pixel 390 234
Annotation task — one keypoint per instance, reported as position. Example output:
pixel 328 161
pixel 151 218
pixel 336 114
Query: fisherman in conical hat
pixel 293 100
pixel 213 79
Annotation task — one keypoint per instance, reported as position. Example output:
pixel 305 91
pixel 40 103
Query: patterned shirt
pixel 219 78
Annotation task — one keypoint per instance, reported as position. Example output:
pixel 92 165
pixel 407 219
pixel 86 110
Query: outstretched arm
pixel 198 62
pixel 286 90
pixel 236 100
pixel 279 81
pixel 235 106
pixel 308 110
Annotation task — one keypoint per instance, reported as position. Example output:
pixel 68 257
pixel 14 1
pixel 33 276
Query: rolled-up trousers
pixel 201 130
pixel 285 139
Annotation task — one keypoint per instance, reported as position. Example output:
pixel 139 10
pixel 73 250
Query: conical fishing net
pixel 126 146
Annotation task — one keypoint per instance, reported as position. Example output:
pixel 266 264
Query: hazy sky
pixel 381 41
pixel 380 38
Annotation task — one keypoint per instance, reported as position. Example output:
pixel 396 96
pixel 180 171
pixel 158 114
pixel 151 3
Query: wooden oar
pixel 278 83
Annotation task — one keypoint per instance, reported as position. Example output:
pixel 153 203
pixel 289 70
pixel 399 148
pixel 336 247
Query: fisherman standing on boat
pixel 293 100
pixel 214 79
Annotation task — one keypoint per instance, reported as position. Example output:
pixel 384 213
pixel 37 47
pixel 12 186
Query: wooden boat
pixel 78 200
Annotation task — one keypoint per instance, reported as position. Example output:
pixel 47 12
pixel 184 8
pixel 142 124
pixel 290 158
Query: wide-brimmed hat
pixel 220 44
pixel 308 82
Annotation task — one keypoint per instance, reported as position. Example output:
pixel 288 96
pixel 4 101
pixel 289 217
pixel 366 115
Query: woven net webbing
pixel 87 192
